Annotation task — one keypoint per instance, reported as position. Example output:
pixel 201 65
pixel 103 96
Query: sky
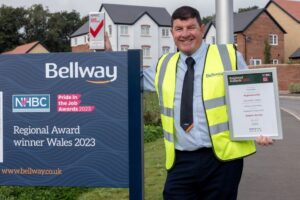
pixel 206 7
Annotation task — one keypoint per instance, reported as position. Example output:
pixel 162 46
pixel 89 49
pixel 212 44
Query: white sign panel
pixel 253 104
pixel 96 30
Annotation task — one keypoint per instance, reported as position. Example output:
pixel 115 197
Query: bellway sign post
pixel 72 119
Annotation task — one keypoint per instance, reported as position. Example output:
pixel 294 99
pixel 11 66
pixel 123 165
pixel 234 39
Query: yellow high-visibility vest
pixel 218 59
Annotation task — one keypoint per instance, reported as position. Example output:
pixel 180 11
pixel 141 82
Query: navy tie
pixel 186 109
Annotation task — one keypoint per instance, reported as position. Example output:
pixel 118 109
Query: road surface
pixel 273 173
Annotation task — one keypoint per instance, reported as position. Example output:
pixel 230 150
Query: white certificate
pixel 253 103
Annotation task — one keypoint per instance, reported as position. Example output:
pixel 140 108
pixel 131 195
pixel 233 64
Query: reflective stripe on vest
pixel 219 57
pixel 165 71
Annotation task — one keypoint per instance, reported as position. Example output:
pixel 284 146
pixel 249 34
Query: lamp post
pixel 224 21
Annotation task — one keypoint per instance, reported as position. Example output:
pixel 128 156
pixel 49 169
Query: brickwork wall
pixel 287 73
pixel 81 48
pixel 251 42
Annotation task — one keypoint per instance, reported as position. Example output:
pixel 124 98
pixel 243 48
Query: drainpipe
pixel 245 50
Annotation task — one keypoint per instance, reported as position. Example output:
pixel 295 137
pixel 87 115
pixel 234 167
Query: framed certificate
pixel 253 103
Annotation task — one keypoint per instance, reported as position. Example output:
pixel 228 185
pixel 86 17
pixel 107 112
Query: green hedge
pixel 151 109
pixel 40 193
pixel 152 132
pixel 152 122
pixel 294 88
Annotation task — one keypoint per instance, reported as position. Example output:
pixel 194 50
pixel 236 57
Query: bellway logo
pixel 95 74
pixel 31 103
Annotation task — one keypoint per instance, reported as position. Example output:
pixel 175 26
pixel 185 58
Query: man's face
pixel 187 35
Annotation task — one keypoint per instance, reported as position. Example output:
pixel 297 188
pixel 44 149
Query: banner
pixel 64 119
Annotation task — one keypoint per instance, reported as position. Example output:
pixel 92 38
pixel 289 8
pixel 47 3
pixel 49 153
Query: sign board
pixel 253 103
pixel 65 119
pixel 96 30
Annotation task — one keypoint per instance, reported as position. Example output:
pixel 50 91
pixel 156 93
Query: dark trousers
pixel 199 175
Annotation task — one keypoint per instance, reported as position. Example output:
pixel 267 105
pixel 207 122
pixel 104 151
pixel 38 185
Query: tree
pixel 36 23
pixel 267 53
pixel 207 19
pixel 12 22
pixel 247 9
pixel 19 26
pixel 60 27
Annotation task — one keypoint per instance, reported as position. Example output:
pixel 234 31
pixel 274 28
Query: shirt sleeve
pixel 241 64
pixel 148 78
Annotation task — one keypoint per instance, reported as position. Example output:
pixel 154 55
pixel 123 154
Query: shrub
pixel 294 88
pixel 151 109
pixel 152 132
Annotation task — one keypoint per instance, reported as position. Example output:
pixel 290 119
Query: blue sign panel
pixel 64 119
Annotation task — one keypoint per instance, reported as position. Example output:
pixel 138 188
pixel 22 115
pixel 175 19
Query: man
pixel 202 162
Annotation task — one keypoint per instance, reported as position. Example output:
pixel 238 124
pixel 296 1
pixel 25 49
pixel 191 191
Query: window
pixel 275 61
pixel 273 39
pixel 86 39
pixel 145 30
pixel 254 61
pixel 109 30
pixel 146 51
pixel 124 47
pixel 124 30
pixel 75 41
pixel 165 32
pixel 165 49
pixel 235 39
pixel 213 39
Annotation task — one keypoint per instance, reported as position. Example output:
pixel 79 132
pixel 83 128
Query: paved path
pixel 273 173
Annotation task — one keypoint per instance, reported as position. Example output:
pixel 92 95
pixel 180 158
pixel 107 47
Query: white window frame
pixel 273 39
pixel 165 32
pixel 165 49
pixel 213 39
pixel 123 30
pixel 146 51
pixel 124 47
pixel 75 41
pixel 275 61
pixel 235 39
pixel 145 30
pixel 109 30
pixel 255 61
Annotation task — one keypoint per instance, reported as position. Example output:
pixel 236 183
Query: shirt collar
pixel 201 51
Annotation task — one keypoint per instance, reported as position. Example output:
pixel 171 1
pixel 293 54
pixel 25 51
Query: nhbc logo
pixel 96 74
pixel 31 103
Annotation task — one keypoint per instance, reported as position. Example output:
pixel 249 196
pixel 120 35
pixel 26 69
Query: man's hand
pixel 107 42
pixel 264 140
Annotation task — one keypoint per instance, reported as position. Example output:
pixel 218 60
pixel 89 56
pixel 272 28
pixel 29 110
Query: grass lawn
pixel 155 174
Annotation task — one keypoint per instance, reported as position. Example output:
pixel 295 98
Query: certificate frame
pixel 253 104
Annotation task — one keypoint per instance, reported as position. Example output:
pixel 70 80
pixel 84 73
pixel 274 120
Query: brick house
pixel 251 30
pixel 287 14
pixel 132 27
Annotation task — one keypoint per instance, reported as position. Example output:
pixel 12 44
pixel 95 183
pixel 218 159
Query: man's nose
pixel 185 33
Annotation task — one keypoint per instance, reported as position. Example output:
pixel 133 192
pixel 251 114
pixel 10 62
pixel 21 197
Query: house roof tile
pixel 296 54
pixel 25 48
pixel 292 7
pixel 128 14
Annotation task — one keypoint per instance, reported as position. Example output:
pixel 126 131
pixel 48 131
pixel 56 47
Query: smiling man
pixel 202 161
